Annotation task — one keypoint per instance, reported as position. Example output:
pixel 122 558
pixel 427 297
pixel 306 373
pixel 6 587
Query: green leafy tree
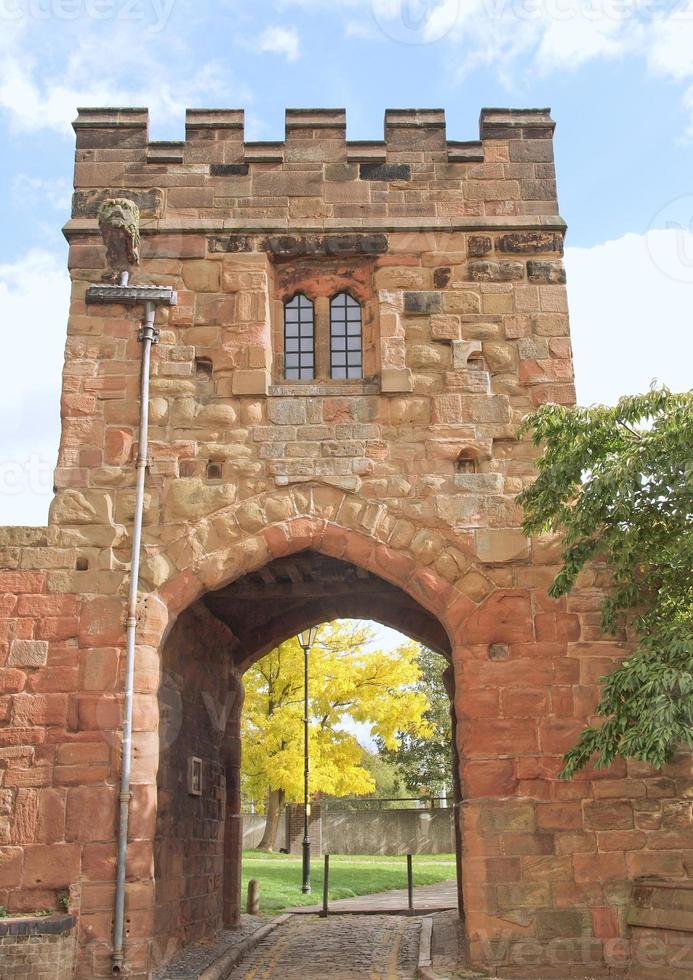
pixel 424 761
pixel 617 484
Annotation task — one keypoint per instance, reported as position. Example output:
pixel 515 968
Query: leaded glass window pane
pixel 345 322
pixel 299 348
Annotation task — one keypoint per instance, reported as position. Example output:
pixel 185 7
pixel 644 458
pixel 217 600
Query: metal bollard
pixel 326 887
pixel 253 906
pixel 410 883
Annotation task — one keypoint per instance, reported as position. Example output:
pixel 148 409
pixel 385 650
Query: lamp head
pixel 307 637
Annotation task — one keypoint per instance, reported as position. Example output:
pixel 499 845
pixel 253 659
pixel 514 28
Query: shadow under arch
pixel 310 574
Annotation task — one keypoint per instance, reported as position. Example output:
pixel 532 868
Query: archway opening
pixel 199 833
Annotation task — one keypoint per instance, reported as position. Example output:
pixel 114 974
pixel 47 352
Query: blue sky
pixel 618 75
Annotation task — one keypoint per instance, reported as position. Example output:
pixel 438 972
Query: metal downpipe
pixel 148 337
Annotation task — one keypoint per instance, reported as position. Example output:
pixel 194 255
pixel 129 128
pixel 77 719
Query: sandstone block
pixel 11 859
pixel 81 507
pixel 496 271
pixel 533 348
pixel 608 815
pixel 295 184
pixel 463 301
pixel 190 499
pixel 287 411
pixel 422 303
pixel 496 545
pixel 530 241
pixel 28 653
pixel 51 865
pixel 394 380
pixel 425 356
pixel 499 357
pixel 479 245
pixel 446 327
pixel 250 382
pixel 461 352
pixel 202 276
pixel 118 446
pixel 90 814
pixel 479 483
pixel 545 272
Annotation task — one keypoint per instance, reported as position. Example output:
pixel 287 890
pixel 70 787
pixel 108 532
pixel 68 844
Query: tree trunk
pixel 273 815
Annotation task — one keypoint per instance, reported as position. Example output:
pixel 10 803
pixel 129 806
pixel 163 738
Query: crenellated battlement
pixel 317 175
pixel 222 133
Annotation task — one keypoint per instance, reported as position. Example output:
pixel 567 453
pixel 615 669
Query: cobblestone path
pixel 345 947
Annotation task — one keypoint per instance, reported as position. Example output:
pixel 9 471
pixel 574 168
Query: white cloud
pixel 281 40
pixel 136 72
pixel 34 295
pixel 631 314
pixel 670 48
pixel 569 44
pixel 543 35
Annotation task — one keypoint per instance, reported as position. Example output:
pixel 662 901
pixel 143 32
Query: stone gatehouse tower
pixel 334 411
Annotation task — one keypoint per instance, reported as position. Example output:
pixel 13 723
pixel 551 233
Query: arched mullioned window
pixel 299 339
pixel 346 355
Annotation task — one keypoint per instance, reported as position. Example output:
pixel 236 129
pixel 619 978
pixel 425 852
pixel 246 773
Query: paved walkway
pixel 427 898
pixel 354 947
pixel 193 960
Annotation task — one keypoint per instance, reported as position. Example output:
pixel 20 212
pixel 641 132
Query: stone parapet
pixel 316 172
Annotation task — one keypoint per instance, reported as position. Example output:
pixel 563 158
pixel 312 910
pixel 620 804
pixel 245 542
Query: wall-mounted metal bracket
pixel 164 295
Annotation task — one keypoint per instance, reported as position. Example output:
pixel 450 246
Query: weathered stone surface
pixel 479 482
pixel 202 276
pixel 231 243
pixel 496 271
pixel 28 653
pixel 250 382
pixel 547 272
pixel 229 169
pixel 385 171
pixel 86 203
pixel 422 303
pixel 294 246
pixel 462 351
pixel 190 499
pixel 523 242
pixel 81 507
pixel 396 379
pixel 494 545
pixel 479 245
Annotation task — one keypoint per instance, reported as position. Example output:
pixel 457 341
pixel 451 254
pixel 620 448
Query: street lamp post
pixel 306 639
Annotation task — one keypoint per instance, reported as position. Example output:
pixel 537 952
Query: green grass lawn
pixel 279 876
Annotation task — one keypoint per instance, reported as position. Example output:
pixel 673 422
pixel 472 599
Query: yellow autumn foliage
pixel 349 681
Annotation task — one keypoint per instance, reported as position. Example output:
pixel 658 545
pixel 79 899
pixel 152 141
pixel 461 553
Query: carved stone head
pixel 119 224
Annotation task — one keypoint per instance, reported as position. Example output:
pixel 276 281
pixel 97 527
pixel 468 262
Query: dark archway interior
pixel 264 608
pixel 199 825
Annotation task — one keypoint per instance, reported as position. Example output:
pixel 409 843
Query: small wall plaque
pixel 195 776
